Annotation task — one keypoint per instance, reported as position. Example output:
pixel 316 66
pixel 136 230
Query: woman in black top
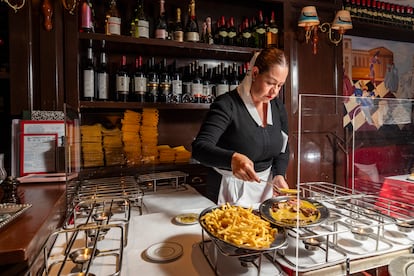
pixel 244 135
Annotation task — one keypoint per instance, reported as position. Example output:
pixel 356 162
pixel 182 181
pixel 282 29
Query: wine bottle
pixel 260 31
pixel 231 32
pixel 187 82
pixel 207 84
pixel 191 33
pixel 161 27
pixel 113 20
pixel 88 72
pixel 272 32
pixel 209 39
pixel 122 81
pixel 223 84
pixel 176 85
pixel 140 81
pixel 140 24
pixel 103 76
pixel 222 31
pixel 246 37
pixel 86 17
pixel 165 83
pixel 234 77
pixel 178 33
pixel 152 82
pixel 197 84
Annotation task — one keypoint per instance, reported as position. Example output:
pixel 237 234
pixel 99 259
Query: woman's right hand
pixel 243 168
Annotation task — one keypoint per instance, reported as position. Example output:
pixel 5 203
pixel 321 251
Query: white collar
pixel 244 91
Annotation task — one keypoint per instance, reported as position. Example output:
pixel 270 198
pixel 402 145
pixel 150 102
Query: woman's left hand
pixel 279 181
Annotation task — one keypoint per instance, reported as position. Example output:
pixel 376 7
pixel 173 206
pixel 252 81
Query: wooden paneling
pixel 313 74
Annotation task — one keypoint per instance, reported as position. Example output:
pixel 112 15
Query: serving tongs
pixel 286 191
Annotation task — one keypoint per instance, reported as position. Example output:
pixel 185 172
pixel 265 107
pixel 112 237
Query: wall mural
pixel 375 69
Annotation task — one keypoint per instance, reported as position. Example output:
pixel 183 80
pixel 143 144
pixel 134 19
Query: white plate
pixel 164 251
pixel 187 218
pixel 402 266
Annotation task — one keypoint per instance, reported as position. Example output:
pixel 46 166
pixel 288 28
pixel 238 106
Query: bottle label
pixel 221 89
pixel 152 88
pixel 103 86
pixel 196 89
pixel 143 28
pixel 122 84
pixel 223 33
pixel 140 85
pixel 232 34
pixel 177 87
pixel 114 25
pixel 179 36
pixel 260 30
pixel 165 88
pixel 192 36
pixel 274 30
pixel 207 89
pixel 247 35
pixel 88 83
pixel 161 33
pixel 233 86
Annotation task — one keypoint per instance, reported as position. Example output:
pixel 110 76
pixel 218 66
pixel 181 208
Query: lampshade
pixel 342 21
pixel 308 17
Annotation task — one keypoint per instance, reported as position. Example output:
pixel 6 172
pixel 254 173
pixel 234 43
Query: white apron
pixel 244 193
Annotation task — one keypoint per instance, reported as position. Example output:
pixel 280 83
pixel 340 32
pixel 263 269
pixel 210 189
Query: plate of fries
pixel 240 228
pixel 288 212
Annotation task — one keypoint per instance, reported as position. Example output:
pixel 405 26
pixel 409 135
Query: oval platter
pixel 265 210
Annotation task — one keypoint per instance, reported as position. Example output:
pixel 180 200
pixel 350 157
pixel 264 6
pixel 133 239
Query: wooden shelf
pixel 137 105
pixel 381 31
pixel 153 47
pixel 135 170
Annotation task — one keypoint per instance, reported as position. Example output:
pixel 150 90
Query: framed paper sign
pixel 38 153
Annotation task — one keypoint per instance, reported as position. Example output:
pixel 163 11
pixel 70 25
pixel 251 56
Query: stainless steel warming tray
pixel 362 231
pixel 95 232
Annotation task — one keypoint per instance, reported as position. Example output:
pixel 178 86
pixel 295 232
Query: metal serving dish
pixel 279 241
pixel 10 211
pixel 266 206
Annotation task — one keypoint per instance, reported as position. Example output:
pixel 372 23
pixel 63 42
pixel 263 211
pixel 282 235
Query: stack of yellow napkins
pixel 182 155
pixel 112 145
pixel 91 145
pixel 166 154
pixel 149 135
pixel 131 124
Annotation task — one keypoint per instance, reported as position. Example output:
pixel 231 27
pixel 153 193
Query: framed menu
pixel 33 127
pixel 38 153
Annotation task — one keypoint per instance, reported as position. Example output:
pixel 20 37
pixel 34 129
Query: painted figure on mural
pixel 391 78
pixel 373 60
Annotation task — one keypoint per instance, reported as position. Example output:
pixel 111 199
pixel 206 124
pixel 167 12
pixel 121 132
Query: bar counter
pixel 22 238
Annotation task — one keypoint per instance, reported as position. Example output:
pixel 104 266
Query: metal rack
pixel 152 181
pixel 360 226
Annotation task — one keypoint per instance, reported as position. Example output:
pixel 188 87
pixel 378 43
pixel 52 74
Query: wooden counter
pixel 21 240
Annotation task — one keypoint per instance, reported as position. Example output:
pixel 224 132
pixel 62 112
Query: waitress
pixel 244 135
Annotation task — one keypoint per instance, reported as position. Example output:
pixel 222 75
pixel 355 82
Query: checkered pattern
pixel 371 112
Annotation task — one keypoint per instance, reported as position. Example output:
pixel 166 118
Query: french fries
pixel 239 226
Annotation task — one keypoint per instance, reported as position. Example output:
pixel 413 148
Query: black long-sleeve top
pixel 229 127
